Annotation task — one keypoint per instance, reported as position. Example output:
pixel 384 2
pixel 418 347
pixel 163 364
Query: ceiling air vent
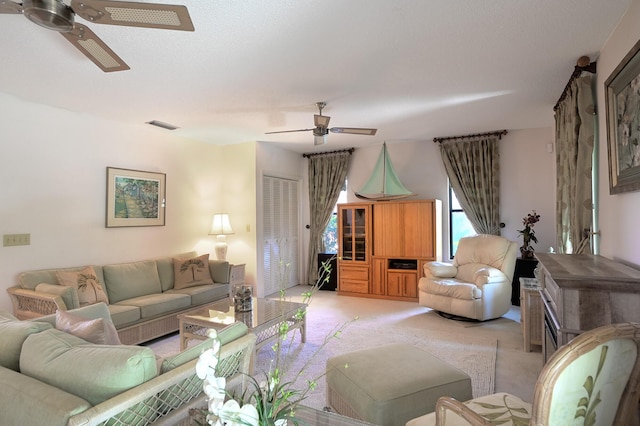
pixel 162 124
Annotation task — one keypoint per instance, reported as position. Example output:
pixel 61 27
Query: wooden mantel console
pixel 581 292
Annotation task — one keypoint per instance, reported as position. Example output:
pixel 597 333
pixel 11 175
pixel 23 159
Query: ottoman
pixel 389 385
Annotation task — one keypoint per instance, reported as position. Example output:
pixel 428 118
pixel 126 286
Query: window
pixel 459 225
pixel 330 235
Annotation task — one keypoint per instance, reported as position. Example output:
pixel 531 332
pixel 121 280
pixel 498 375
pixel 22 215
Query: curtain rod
pixel 315 154
pixel 583 64
pixel 498 133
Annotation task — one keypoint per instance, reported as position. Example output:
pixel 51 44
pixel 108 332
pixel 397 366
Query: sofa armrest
pixel 488 275
pixel 440 269
pixel 219 270
pixel 30 304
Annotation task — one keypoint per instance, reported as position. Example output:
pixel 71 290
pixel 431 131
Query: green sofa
pixel 142 298
pixel 49 377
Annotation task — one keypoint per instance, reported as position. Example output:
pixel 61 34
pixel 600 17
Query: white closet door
pixel 280 230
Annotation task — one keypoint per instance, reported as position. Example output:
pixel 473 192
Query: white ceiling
pixel 413 69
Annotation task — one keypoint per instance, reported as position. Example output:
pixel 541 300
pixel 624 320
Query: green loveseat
pixel 143 301
pixel 49 377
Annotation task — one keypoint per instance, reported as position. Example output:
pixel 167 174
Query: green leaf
pixel 493 416
pixel 583 402
pixel 588 385
pixel 489 406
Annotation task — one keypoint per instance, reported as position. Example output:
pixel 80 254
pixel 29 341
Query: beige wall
pixel 526 174
pixel 53 173
pixel 618 213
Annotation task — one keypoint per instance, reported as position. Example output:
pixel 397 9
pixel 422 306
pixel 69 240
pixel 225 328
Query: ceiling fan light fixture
pixel 319 139
pixel 51 14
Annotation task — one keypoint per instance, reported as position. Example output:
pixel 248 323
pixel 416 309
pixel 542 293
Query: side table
pixel 531 312
pixel 524 268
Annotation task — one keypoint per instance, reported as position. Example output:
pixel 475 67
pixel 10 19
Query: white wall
pixel 53 173
pixel 528 182
pixel 527 179
pixel 618 213
pixel 237 173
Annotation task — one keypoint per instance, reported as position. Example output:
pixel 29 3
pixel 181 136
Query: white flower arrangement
pixel 268 403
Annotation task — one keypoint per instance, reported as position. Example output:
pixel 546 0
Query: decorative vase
pixel 526 252
pixel 242 298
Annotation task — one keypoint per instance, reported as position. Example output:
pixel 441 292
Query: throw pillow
pixel 191 272
pixel 96 331
pixel 86 281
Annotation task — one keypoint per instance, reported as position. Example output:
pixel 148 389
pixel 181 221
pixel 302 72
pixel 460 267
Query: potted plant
pixel 528 234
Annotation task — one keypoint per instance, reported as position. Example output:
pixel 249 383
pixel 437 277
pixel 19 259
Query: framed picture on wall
pixel 622 95
pixel 135 198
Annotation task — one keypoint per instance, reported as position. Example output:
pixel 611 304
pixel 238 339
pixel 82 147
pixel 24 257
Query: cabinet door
pixel 388 230
pixel 378 276
pixel 354 229
pixel 419 236
pixel 402 284
pixel 394 284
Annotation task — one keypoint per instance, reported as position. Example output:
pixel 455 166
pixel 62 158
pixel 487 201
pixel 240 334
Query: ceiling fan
pixel 322 128
pixel 57 16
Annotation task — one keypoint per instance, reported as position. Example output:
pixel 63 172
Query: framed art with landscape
pixel 622 95
pixel 135 198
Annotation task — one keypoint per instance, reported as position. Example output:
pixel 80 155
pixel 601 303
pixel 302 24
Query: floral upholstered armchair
pixel 593 380
pixel 477 285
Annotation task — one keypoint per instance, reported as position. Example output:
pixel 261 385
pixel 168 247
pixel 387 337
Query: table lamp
pixel 221 227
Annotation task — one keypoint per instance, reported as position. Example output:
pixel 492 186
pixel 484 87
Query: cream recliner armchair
pixel 477 285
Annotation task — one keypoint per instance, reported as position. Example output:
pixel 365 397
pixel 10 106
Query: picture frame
pixel 622 98
pixel 135 198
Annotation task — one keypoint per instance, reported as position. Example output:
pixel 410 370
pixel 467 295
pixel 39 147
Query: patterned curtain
pixel 327 174
pixel 574 162
pixel 473 167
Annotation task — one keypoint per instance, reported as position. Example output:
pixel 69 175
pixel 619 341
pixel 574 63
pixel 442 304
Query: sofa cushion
pixel 98 331
pixel 154 305
pixel 127 280
pixel 14 332
pixel 204 293
pixel 27 401
pixel 86 283
pixel 451 287
pixel 165 268
pixel 489 250
pixel 68 294
pixel 123 315
pixel 92 372
pixel 228 334
pixel 191 272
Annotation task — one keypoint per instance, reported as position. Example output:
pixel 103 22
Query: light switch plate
pixel 9 240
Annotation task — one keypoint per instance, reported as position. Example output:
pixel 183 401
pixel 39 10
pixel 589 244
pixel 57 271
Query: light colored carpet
pixel 473 354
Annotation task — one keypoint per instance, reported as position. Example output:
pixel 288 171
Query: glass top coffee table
pixel 264 320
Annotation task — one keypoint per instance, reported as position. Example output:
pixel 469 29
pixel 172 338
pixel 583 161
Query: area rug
pixel 476 356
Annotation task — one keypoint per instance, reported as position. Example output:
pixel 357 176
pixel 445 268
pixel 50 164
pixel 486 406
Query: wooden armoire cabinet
pixel 386 260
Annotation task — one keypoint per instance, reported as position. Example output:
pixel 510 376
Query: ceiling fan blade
pixel 7 6
pixel 321 120
pixel 353 130
pixel 134 14
pixel 95 49
pixel 289 131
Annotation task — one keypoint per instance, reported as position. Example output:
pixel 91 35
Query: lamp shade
pixel 221 225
